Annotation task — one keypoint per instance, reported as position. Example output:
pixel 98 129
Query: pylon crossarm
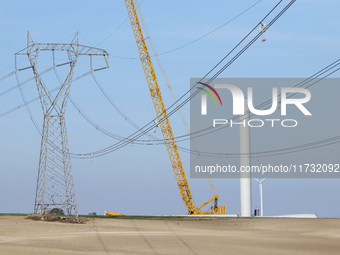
pixel 71 47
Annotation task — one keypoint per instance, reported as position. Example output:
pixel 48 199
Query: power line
pixel 10 66
pixel 121 24
pixel 73 34
pixel 222 60
pixel 11 40
pixel 193 41
pixel 7 75
pixel 25 102
pixel 209 33
pixel 22 83
pixel 232 51
pixel 298 148
pixel 150 125
pixel 36 98
pixel 160 141
pixel 116 107
pixel 208 130
pixel 24 59
pixel 106 132
pixel 315 78
pixel 292 149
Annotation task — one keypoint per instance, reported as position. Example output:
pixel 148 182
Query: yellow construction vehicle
pixel 107 213
pixel 163 121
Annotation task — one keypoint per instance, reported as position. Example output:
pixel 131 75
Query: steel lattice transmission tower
pixel 55 186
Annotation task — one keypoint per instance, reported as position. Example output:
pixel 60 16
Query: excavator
pixel 163 120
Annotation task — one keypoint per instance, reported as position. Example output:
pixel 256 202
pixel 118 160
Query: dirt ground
pixel 126 236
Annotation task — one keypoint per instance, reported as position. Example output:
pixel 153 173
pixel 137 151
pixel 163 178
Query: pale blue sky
pixel 139 179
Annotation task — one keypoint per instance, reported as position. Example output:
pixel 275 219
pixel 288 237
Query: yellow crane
pixel 163 121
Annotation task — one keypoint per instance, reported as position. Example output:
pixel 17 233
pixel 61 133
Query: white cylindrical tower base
pixel 245 178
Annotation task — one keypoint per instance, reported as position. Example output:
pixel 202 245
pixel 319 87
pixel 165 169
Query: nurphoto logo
pixel 239 104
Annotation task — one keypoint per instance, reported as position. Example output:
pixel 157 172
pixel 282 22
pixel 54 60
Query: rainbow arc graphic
pixel 204 97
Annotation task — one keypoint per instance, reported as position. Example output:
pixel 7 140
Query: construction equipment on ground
pixel 163 120
pixel 107 213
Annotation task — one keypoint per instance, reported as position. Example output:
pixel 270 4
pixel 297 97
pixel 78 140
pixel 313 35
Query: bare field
pixel 19 235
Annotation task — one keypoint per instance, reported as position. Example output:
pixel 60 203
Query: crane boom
pixel 163 120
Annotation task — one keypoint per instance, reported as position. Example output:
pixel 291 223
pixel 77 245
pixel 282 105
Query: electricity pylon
pixel 55 186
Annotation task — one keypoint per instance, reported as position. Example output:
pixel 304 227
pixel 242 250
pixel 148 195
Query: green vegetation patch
pixel 168 218
pixel 13 214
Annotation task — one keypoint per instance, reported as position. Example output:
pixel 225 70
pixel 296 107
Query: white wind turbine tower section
pixel 245 177
pixel 261 194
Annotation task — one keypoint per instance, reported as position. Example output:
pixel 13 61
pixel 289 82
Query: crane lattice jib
pixel 160 109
